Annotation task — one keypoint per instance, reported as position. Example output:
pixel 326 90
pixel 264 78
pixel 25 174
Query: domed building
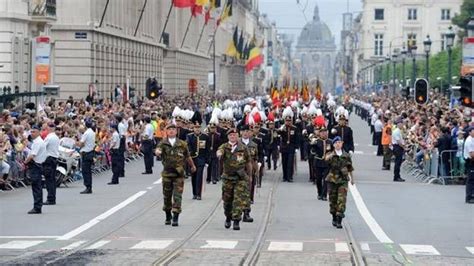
pixel 316 53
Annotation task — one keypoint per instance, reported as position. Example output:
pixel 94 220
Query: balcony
pixel 42 10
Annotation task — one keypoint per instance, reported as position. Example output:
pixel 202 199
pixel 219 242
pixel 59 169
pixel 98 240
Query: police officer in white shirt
pixel 49 166
pixel 87 144
pixel 115 152
pixel 469 157
pixel 34 162
pixel 122 131
pixel 147 146
pixel 398 150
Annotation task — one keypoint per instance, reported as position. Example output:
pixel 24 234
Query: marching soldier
pixel 307 131
pixel 258 137
pixel 115 151
pixel 147 146
pixel 345 132
pixel 319 149
pixel 313 138
pixel 289 143
pixel 236 168
pixel 340 173
pixel 246 138
pixel 199 147
pixel 175 156
pixel 214 143
pixel 272 140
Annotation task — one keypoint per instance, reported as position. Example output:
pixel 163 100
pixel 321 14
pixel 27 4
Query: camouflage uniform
pixel 173 159
pixel 234 179
pixel 338 178
pixel 252 146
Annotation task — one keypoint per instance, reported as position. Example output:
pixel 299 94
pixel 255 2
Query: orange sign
pixel 42 74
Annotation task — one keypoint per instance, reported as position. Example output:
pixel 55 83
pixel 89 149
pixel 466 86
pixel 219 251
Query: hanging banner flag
pixel 183 3
pixel 43 57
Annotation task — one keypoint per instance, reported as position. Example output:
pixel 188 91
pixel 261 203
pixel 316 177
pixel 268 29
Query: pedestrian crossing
pixel 323 245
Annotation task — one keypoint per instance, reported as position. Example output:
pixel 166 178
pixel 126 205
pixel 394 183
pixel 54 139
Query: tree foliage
pixel 467 10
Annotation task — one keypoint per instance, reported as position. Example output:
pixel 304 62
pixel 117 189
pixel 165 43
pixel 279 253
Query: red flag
pixel 195 10
pixel 183 3
pixel 207 17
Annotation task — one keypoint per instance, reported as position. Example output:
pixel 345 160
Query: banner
pixel 42 59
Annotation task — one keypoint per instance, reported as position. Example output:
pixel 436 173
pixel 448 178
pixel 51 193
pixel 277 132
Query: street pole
pixel 214 64
pixel 450 66
pixel 427 70
pixel 394 74
pixel 413 73
pixel 403 72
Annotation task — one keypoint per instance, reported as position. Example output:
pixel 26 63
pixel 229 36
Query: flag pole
pixel 200 36
pixel 187 29
pixel 217 27
pixel 140 19
pixel 103 13
pixel 166 22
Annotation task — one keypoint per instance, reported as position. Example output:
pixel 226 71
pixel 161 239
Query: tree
pixel 467 10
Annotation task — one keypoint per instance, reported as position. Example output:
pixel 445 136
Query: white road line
pixel 101 217
pixel 20 244
pixel 217 244
pixel 368 218
pixel 341 247
pixel 73 245
pixel 158 181
pixel 365 247
pixel 27 237
pixel 358 152
pixel 470 249
pixel 285 246
pixel 98 244
pixel 419 249
pixel 153 244
pixel 149 188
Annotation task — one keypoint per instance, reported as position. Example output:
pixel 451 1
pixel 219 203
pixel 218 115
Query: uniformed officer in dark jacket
pixel 199 148
pixel 273 141
pixel 345 132
pixel 289 143
pixel 308 129
pixel 319 149
pixel 214 143
pixel 258 138
pixel 147 146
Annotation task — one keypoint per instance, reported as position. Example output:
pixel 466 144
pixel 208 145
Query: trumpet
pixel 312 139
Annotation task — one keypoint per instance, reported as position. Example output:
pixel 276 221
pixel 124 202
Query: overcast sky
pixel 289 17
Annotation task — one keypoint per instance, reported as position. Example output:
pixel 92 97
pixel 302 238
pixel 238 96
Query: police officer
pixel 236 163
pixel 87 144
pixel 248 141
pixel 49 166
pixel 214 143
pixel 273 141
pixel 34 162
pixel 116 153
pixel 289 143
pixel 345 132
pixel 175 156
pixel 199 146
pixel 340 173
pixel 122 130
pixel 147 146
pixel 319 149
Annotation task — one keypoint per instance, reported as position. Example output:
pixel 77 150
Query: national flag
pixel 227 13
pixel 255 57
pixel 240 45
pixel 215 3
pixel 305 93
pixel 319 93
pixel 232 48
pixel 207 16
pixel 195 10
pixel 183 3
pixel 202 2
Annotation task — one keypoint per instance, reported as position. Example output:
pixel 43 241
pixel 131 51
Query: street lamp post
pixel 404 54
pixel 387 60
pixel 450 35
pixel 394 57
pixel 427 46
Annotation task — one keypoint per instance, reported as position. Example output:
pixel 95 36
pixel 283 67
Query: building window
pixel 412 14
pixel 443 42
pixel 411 40
pixel 378 41
pixel 379 14
pixel 445 14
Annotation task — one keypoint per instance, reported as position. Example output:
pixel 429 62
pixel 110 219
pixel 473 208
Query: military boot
pixel 227 222
pixel 339 222
pixel 334 220
pixel 168 218
pixel 175 219
pixel 247 218
pixel 236 225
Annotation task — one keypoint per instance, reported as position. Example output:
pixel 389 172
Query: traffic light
pixel 406 92
pixel 153 91
pixel 466 91
pixel 421 91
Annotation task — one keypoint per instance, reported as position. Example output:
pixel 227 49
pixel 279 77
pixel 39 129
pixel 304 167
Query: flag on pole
pixel 227 13
pixel 319 93
pixel 232 48
pixel 207 16
pixel 255 57
pixel 183 3
pixel 215 3
pixel 305 93
pixel 240 45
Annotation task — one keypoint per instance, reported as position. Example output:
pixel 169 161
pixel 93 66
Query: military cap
pixel 342 117
pixel 244 127
pixel 288 118
pixel 232 130
pixel 323 128
pixel 170 125
pixel 270 122
pixel 336 139
pixel 196 124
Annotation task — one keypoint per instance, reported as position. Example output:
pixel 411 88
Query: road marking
pixel 27 237
pixel 419 249
pixel 356 144
pixel 285 246
pixel 341 247
pixel 368 218
pixel 358 152
pixel 153 244
pixel 101 217
pixel 158 181
pixel 98 244
pixel 149 188
pixel 365 246
pixel 74 245
pixel 20 244
pixel 220 244
pixel 470 249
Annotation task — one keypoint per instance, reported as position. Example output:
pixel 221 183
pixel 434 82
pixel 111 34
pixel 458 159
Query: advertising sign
pixel 467 56
pixel 42 59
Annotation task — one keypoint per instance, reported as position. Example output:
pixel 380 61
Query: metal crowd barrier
pixel 435 168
